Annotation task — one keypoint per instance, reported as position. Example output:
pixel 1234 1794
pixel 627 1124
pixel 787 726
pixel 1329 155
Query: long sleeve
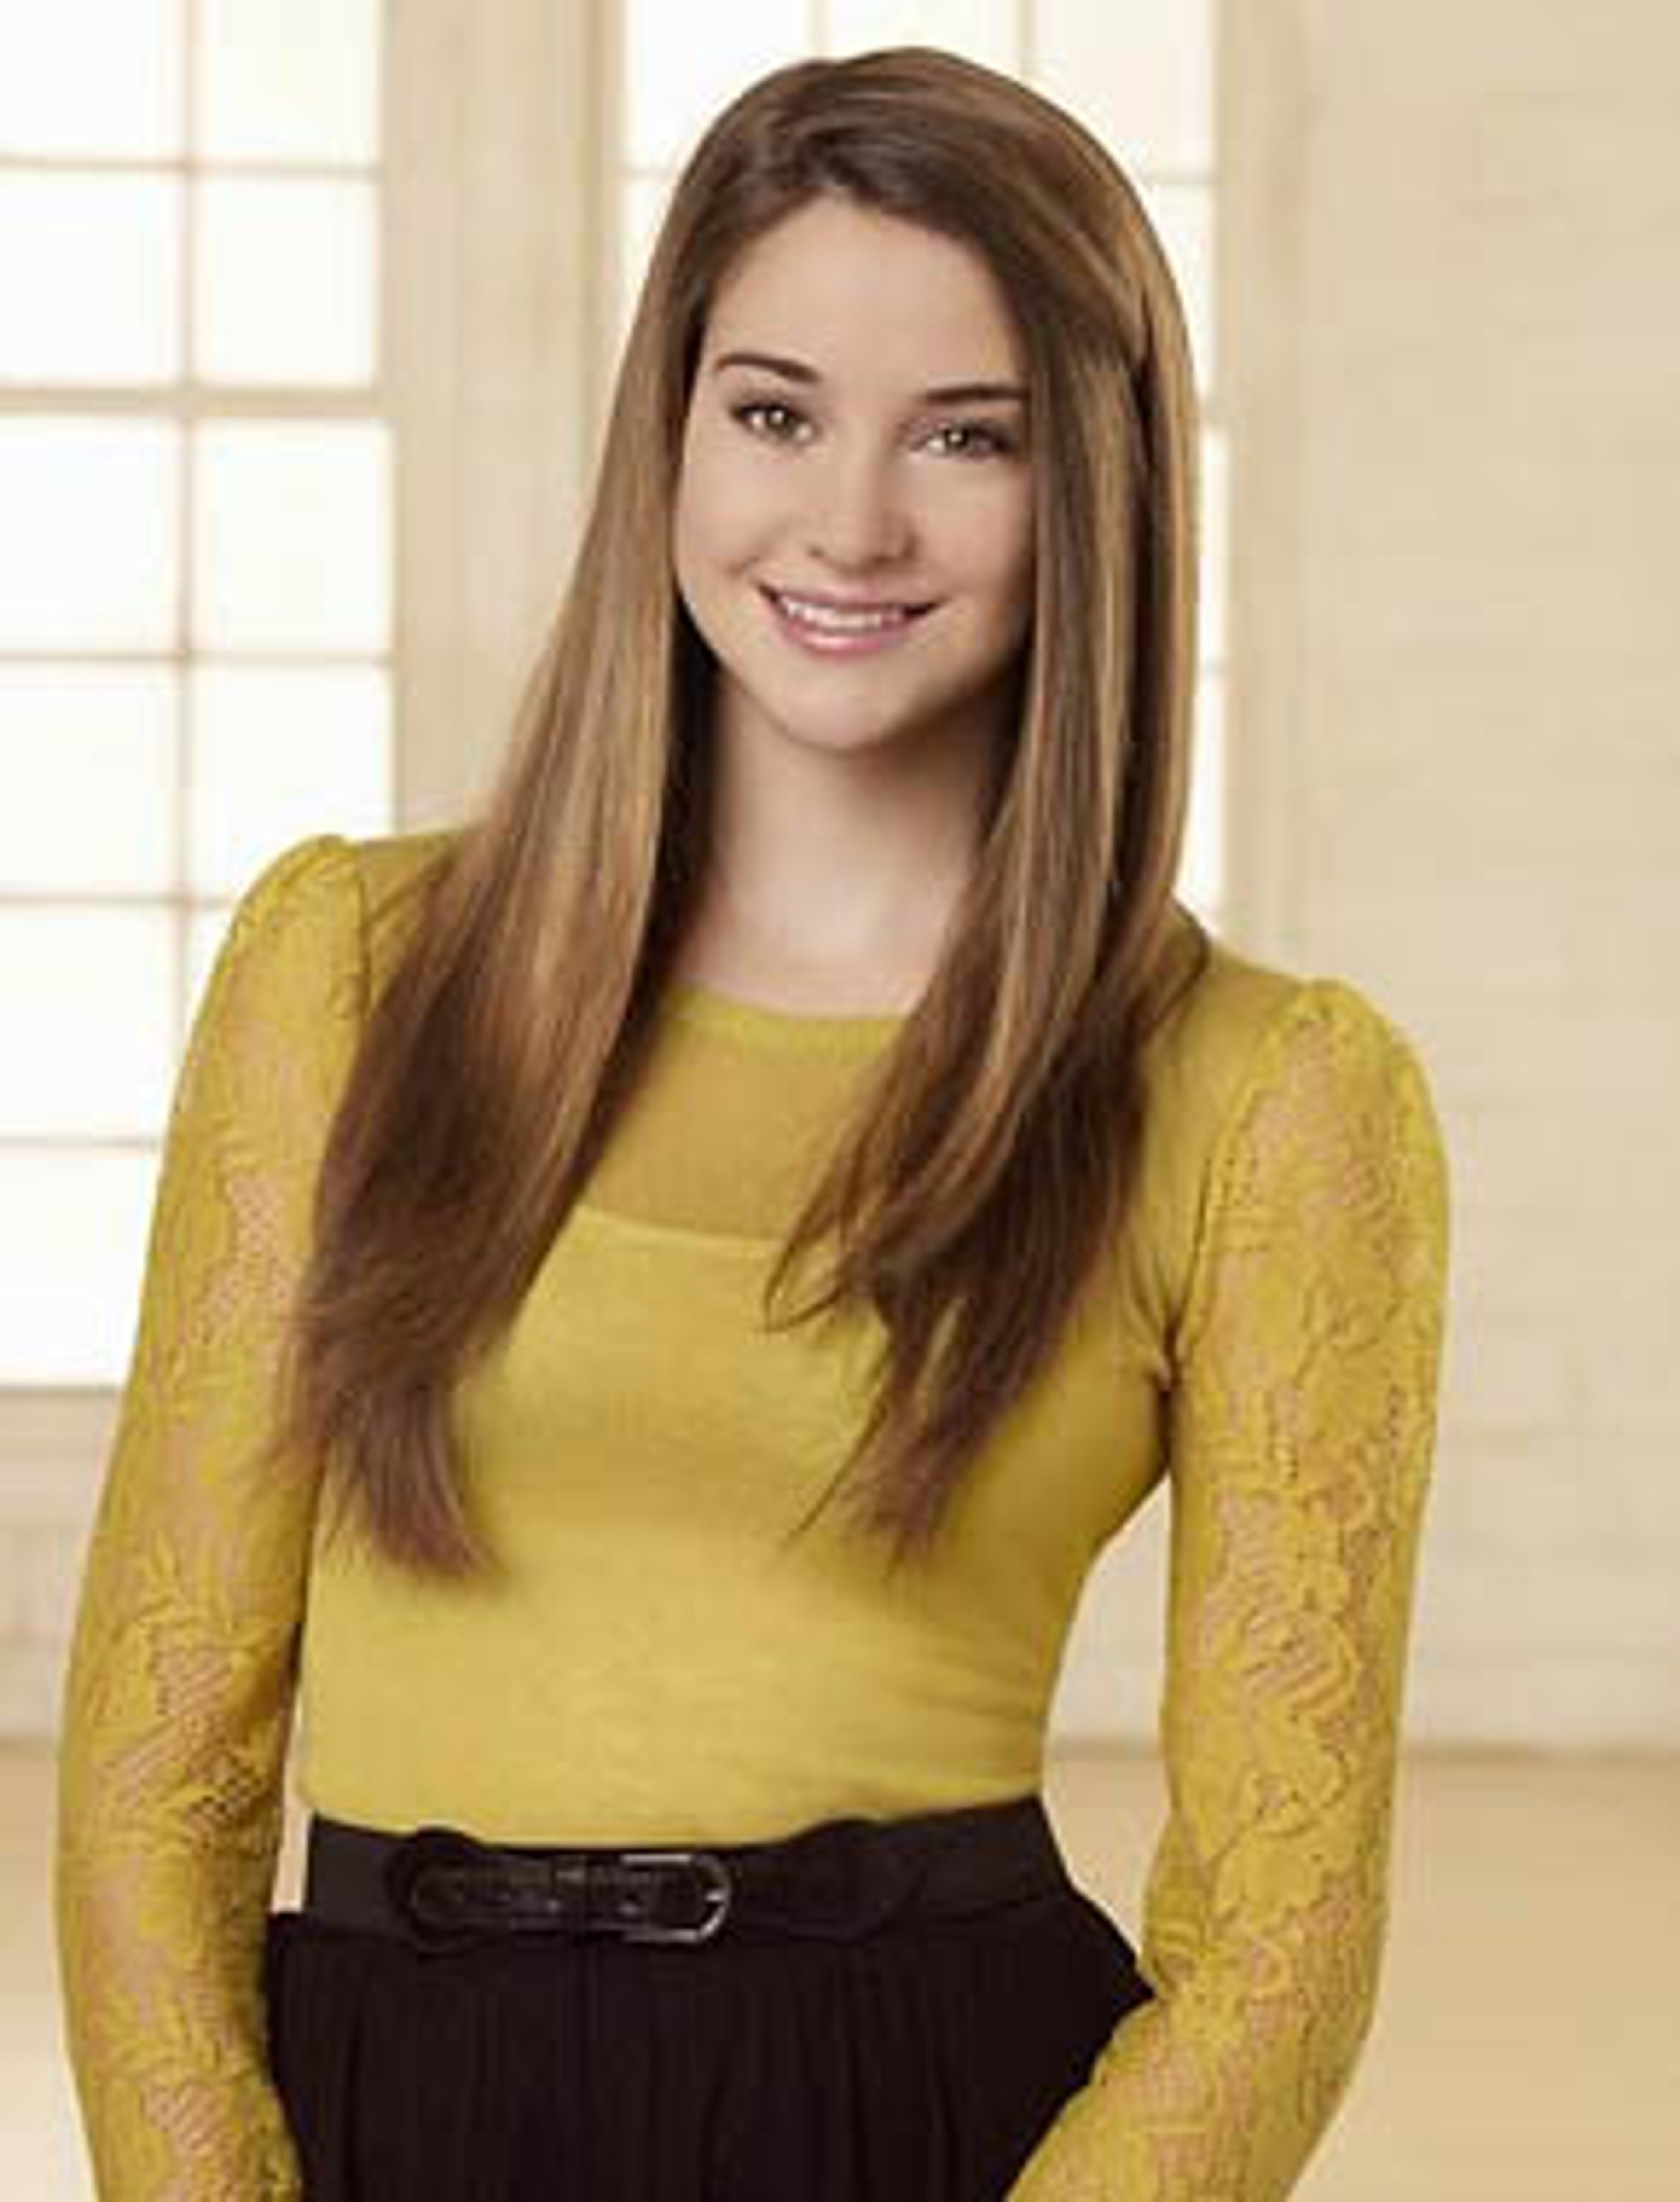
pixel 179 1690
pixel 1301 1430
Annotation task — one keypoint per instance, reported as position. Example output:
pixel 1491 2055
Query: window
pixel 265 251
pixel 195 562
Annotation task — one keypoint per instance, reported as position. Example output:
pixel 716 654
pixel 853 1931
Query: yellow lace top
pixel 1266 1345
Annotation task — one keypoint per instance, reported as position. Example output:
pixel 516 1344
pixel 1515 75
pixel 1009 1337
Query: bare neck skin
pixel 833 879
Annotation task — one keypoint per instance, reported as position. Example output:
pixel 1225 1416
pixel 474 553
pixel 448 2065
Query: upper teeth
pixel 826 615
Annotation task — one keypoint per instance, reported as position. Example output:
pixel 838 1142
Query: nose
pixel 859 517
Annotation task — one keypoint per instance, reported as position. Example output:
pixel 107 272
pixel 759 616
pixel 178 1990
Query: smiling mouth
pixel 780 600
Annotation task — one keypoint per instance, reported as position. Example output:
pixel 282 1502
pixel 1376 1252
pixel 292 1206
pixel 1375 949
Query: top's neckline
pixel 690 1003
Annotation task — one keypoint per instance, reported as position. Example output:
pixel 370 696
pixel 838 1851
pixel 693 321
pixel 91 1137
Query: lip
pixel 818 642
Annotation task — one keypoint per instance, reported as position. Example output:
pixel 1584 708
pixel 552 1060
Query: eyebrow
pixel 948 393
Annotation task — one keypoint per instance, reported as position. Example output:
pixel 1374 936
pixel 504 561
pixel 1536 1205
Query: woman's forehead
pixel 868 297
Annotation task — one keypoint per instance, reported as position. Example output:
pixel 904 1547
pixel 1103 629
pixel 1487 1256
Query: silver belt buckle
pixel 719 1895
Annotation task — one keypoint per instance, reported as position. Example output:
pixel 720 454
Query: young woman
pixel 675 1658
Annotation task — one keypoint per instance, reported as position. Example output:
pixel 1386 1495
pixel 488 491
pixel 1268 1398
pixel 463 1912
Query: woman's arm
pixel 178 1695
pixel 1301 1428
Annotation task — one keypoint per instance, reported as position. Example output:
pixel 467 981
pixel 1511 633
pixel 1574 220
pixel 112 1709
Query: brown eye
pixel 762 405
pixel 995 440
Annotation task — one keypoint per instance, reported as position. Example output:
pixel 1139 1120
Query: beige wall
pixel 1450 293
pixel 1448 238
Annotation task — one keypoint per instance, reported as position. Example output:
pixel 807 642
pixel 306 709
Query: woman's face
pixel 838 475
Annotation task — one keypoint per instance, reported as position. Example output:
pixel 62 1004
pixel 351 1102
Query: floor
pixel 1527 2046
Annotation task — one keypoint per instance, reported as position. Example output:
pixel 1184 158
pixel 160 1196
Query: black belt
pixel 441 1889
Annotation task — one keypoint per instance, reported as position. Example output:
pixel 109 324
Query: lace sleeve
pixel 1301 1430
pixel 175 1715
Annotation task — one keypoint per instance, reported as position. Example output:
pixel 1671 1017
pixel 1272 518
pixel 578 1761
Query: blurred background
pixel 309 312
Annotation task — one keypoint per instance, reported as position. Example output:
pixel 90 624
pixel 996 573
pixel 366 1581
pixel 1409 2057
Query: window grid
pixel 186 402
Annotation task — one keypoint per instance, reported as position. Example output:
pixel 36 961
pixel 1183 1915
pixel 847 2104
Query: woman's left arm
pixel 1302 1428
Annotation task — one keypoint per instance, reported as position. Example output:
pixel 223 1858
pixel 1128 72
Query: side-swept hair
pixel 981 1182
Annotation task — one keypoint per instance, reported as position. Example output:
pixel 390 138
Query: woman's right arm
pixel 178 1695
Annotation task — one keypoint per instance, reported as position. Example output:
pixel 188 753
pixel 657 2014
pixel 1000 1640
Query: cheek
pixel 1008 571
pixel 701 540
pixel 722 508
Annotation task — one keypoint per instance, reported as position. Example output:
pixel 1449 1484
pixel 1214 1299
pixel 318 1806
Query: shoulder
pixel 1245 1029
pixel 339 899
pixel 1209 1039
pixel 1260 1076
pixel 389 866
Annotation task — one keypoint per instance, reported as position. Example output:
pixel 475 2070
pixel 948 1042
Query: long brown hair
pixel 975 1192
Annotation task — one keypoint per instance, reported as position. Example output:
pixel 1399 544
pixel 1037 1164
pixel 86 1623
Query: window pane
pixel 87 534
pixel 289 80
pixel 1214 451
pixel 986 31
pixel 1140 76
pixel 674 81
pixel 87 760
pixel 278 755
pixel 93 990
pixel 291 548
pixel 90 272
pixel 287 286
pixel 1182 217
pixel 53 99
pixel 72 1241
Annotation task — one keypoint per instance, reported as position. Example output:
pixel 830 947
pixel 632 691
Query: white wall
pixel 1451 245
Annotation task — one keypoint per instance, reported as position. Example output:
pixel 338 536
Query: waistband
pixel 440 1888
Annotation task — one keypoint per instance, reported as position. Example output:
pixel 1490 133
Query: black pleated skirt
pixel 920 2062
